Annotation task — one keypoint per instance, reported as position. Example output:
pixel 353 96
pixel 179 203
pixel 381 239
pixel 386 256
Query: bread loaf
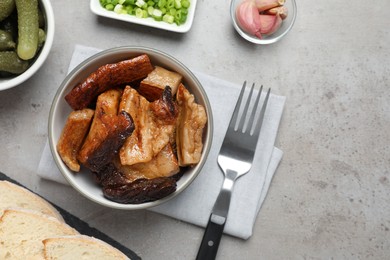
pixel 79 247
pixel 31 228
pixel 15 196
pixel 22 233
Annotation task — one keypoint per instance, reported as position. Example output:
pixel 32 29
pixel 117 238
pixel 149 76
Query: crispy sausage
pixel 82 95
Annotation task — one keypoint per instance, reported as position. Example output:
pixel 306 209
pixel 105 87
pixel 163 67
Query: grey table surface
pixel 329 199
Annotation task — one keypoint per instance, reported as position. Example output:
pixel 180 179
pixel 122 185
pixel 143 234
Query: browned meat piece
pixel 141 190
pixel 191 122
pixel 108 132
pixel 73 135
pixel 154 125
pixel 164 164
pixel 106 77
pixel 154 84
pixel 117 187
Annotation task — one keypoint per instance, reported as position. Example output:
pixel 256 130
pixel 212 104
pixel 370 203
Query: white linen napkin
pixel 195 203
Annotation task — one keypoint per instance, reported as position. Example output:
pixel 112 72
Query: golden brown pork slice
pixel 154 84
pixel 154 125
pixel 106 77
pixel 191 122
pixel 108 132
pixel 164 164
pixel 140 182
pixel 73 135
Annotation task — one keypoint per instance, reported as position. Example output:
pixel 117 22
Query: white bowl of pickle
pixel 26 38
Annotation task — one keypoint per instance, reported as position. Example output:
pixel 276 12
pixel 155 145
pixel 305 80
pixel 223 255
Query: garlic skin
pixel 248 17
pixel 270 23
pixel 263 5
pixel 261 17
pixel 280 10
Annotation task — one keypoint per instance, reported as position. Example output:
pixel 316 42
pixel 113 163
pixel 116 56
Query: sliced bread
pixel 15 196
pixel 22 233
pixel 79 247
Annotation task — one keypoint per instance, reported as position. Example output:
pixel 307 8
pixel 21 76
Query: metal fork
pixel 235 159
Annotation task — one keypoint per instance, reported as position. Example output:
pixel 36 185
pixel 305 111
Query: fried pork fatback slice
pixel 164 164
pixel 117 187
pixel 141 190
pixel 106 77
pixel 191 122
pixel 154 125
pixel 73 135
pixel 154 84
pixel 108 131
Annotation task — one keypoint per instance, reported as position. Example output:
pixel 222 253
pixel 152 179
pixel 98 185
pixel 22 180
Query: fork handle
pixel 212 236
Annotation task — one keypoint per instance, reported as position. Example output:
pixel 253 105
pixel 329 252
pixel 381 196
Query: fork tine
pixel 233 120
pixel 256 131
pixel 245 111
pixel 254 109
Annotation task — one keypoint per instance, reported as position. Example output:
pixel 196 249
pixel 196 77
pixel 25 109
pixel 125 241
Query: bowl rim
pixel 256 40
pixel 100 55
pixel 43 54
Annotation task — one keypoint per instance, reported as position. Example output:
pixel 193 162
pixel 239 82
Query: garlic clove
pixel 269 23
pixel 263 5
pixel 282 11
pixel 248 17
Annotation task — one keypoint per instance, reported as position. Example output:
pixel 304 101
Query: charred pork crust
pixel 118 188
pixel 165 108
pixel 82 95
pixel 118 129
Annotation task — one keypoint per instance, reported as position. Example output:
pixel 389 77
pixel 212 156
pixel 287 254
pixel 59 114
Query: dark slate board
pixel 83 227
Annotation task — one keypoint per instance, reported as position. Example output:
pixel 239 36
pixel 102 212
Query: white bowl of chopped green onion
pixel 170 15
pixel 29 40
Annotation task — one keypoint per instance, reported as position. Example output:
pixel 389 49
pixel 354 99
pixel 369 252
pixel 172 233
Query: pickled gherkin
pixel 10 62
pixel 6 8
pixel 6 41
pixel 28 26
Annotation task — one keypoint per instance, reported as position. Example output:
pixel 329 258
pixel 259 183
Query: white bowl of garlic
pixel 263 21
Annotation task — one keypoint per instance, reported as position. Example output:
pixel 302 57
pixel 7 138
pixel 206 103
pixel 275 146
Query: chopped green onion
pixel 150 10
pixel 161 3
pixel 171 4
pixel 168 11
pixel 178 15
pixel 172 11
pixel 130 9
pixel 140 3
pixel 118 8
pixel 157 13
pixel 110 7
pixel 185 3
pixel 177 4
pixel 168 18
pixel 138 12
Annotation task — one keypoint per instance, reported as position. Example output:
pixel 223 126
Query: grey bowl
pixel 83 182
